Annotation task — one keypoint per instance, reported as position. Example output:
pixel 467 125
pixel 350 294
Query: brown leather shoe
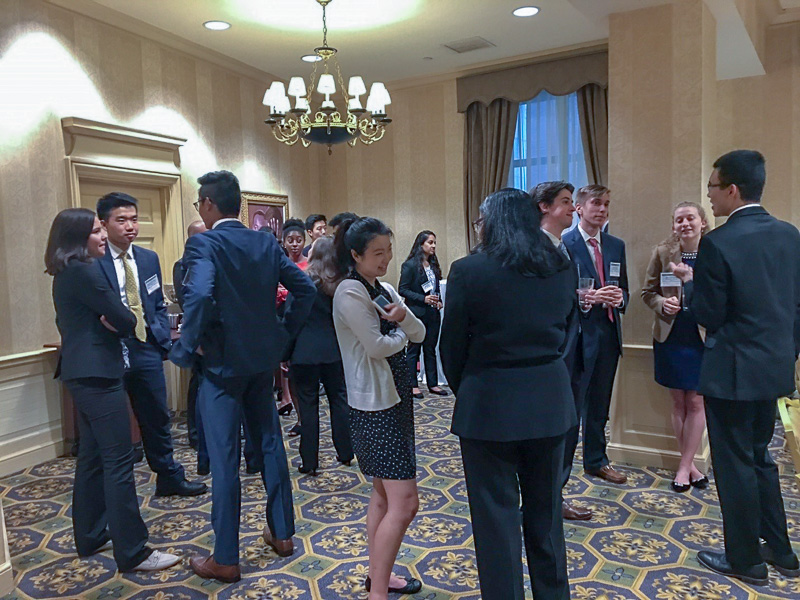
pixel 282 547
pixel 610 475
pixel 208 568
pixel 575 513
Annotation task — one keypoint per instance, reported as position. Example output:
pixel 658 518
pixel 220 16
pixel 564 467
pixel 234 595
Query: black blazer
pixel 502 347
pixel 410 288
pixel 81 295
pixel 746 293
pixel 316 342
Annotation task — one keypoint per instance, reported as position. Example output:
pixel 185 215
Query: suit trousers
pixel 191 402
pixel 597 385
pixel 306 380
pixel 432 321
pixel 495 473
pixel 222 402
pixel 579 396
pixel 104 502
pixel 147 390
pixel 746 478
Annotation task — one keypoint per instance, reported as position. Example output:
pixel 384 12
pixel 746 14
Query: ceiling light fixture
pixel 217 25
pixel 327 125
pixel 526 11
pixel 311 58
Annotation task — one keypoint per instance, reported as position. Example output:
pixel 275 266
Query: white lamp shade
pixel 356 86
pixel 378 90
pixel 297 87
pixel 326 84
pixel 375 104
pixel 301 104
pixel 354 104
pixel 283 104
pixel 278 89
pixel 267 101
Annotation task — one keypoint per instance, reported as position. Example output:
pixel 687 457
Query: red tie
pixel 598 265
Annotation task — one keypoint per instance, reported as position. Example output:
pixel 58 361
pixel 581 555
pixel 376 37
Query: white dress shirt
pixel 117 253
pixel 370 385
pixel 586 237
pixel 749 205
pixel 214 226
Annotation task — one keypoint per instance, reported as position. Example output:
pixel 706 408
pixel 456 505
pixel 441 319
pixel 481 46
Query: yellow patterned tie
pixel 134 299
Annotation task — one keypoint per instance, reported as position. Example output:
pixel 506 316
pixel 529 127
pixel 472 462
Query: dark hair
pixel 312 220
pixel 593 190
pixel 511 234
pixel 222 188
pixel 293 225
pixel 339 218
pixel 356 234
pixel 417 254
pixel 267 229
pixel 68 238
pixel 547 191
pixel 746 169
pixel 109 202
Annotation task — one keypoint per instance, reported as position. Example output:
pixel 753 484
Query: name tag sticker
pixel 427 287
pixel 668 280
pixel 613 270
pixel 152 284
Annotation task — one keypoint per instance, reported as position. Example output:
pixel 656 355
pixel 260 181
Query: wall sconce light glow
pixel 304 15
pixel 311 58
pixel 526 11
pixel 217 25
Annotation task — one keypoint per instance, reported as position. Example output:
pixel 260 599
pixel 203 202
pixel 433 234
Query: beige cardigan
pixel 663 254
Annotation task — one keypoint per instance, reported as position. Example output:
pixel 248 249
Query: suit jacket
pixel 503 341
pixel 155 311
pixel 410 288
pixel 746 292
pixel 81 295
pixel 613 250
pixel 229 301
pixel 316 342
pixel 663 254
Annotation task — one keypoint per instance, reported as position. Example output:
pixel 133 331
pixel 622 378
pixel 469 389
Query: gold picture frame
pixel 259 209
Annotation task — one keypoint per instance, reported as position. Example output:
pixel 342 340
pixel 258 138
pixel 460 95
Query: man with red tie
pixel 602 257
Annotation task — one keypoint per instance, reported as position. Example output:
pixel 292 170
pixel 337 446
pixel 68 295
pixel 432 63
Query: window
pixel 547 143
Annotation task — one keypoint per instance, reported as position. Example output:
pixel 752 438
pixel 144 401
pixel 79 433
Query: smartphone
pixel 381 303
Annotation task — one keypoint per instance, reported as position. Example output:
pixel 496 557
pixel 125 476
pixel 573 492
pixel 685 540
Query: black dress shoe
pixel 441 392
pixel 718 562
pixel 701 483
pixel 680 487
pixel 181 488
pixel 787 565
pixel 252 470
pixel 419 395
pixel 307 470
pixel 203 469
pixel 412 586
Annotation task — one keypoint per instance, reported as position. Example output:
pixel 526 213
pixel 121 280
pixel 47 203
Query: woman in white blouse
pixel 373 346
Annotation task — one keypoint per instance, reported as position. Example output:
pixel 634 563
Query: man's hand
pixel 107 325
pixel 610 295
pixel 682 271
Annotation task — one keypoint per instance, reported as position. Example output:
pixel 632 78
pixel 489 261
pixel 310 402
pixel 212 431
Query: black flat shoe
pixel 701 483
pixel 718 563
pixel 294 431
pixel 419 396
pixel 412 586
pixel 439 393
pixel 285 410
pixel 307 471
pixel 680 487
pixel 203 469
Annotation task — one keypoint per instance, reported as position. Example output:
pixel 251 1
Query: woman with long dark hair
pixel 91 319
pixel 373 341
pixel 315 358
pixel 419 285
pixel 509 307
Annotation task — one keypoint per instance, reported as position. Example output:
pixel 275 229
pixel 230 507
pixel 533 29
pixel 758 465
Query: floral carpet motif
pixel 642 543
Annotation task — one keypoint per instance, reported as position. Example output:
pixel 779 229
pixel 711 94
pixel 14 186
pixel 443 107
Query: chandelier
pixel 327 124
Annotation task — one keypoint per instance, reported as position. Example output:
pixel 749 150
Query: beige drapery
pixel 488 146
pixel 593 114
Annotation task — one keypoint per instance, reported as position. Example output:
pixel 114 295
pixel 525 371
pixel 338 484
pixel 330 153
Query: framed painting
pixel 260 210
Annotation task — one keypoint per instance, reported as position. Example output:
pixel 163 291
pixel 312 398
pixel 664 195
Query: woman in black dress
pixel 91 318
pixel 678 340
pixel 373 341
pixel 419 285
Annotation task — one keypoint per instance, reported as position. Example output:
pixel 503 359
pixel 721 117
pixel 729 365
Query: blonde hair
pixel 700 211
pixel 594 190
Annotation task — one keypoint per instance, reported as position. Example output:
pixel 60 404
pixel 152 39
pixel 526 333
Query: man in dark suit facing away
pixel 600 256
pixel 232 277
pixel 745 290
pixel 135 274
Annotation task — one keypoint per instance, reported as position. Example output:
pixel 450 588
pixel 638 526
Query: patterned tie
pixel 134 299
pixel 598 265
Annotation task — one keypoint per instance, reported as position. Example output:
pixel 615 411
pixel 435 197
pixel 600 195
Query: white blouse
pixel 370 385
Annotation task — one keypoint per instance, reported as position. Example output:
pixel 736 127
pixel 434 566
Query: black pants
pixel 104 502
pixel 575 365
pixel 147 390
pixel 747 478
pixel 432 322
pixel 495 473
pixel 306 380
pixel 191 402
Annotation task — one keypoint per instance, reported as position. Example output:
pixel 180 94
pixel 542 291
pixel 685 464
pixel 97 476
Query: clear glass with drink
pixel 585 284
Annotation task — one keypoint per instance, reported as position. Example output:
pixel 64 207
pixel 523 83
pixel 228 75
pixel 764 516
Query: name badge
pixel 613 270
pixel 427 287
pixel 152 284
pixel 668 280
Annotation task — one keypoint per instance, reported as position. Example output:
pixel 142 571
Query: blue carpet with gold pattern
pixel 642 542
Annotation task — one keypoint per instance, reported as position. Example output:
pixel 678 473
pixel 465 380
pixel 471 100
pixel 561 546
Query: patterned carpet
pixel 641 544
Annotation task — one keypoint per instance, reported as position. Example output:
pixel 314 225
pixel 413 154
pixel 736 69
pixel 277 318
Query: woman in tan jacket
pixel 678 339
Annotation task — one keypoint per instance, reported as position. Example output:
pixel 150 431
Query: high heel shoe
pixel 285 410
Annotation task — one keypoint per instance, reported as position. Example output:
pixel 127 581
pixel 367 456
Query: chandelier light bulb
pixel 297 87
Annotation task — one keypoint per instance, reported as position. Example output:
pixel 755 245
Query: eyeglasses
pixel 196 204
pixel 720 185
pixel 476 224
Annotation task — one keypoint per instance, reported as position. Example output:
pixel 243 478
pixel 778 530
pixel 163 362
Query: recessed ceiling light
pixel 312 58
pixel 526 11
pixel 217 25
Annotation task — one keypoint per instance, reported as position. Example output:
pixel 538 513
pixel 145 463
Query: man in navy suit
pixel 232 277
pixel 602 257
pixel 135 274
